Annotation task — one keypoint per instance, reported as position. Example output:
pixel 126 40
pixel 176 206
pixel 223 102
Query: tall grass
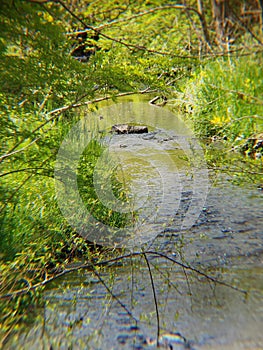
pixel 225 98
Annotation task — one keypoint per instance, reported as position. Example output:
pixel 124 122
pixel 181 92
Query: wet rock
pixel 129 129
pixel 251 147
pixel 171 341
pixel 122 339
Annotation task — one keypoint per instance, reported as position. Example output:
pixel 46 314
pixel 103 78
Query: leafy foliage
pixel 226 98
pixel 87 189
pixel 57 57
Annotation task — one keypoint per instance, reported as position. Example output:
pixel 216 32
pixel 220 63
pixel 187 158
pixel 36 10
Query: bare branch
pixel 155 299
pixel 240 94
pixel 56 112
pixel 24 170
pixel 90 266
pixel 41 1
pixel 114 296
pixel 188 267
pixel 19 150
pixel 144 13
pixel 129 45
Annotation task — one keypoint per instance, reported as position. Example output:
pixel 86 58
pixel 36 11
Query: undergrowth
pixel 223 102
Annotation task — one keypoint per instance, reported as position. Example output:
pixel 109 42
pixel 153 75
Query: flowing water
pixel 183 214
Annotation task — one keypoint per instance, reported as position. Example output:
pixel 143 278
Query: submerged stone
pixel 129 129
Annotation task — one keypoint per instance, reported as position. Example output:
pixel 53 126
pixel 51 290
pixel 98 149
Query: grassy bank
pixel 224 98
pixel 223 102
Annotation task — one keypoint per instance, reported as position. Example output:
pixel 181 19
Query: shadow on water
pixel 224 242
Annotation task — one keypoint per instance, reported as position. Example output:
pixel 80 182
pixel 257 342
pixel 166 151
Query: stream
pixel 183 212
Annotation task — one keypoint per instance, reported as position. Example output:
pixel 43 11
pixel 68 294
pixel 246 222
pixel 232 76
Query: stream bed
pixel 188 216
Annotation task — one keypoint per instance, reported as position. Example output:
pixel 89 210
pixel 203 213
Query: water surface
pixel 222 238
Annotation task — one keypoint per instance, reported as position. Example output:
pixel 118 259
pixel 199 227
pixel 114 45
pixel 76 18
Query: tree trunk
pixel 220 12
pixel 261 8
pixel 203 21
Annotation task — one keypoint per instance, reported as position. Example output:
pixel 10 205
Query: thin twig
pixel 119 41
pixel 144 48
pixel 55 113
pixel 197 271
pixel 240 94
pixel 19 150
pixel 173 285
pixel 144 13
pixel 7 201
pixel 238 171
pixel 187 279
pixel 113 295
pixel 91 266
pixel 25 170
pixel 155 299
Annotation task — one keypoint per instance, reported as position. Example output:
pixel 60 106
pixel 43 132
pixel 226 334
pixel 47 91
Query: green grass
pixel 225 98
pixel 36 240
pixel 88 191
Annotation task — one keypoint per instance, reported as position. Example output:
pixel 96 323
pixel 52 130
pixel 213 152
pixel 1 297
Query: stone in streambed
pixel 129 129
